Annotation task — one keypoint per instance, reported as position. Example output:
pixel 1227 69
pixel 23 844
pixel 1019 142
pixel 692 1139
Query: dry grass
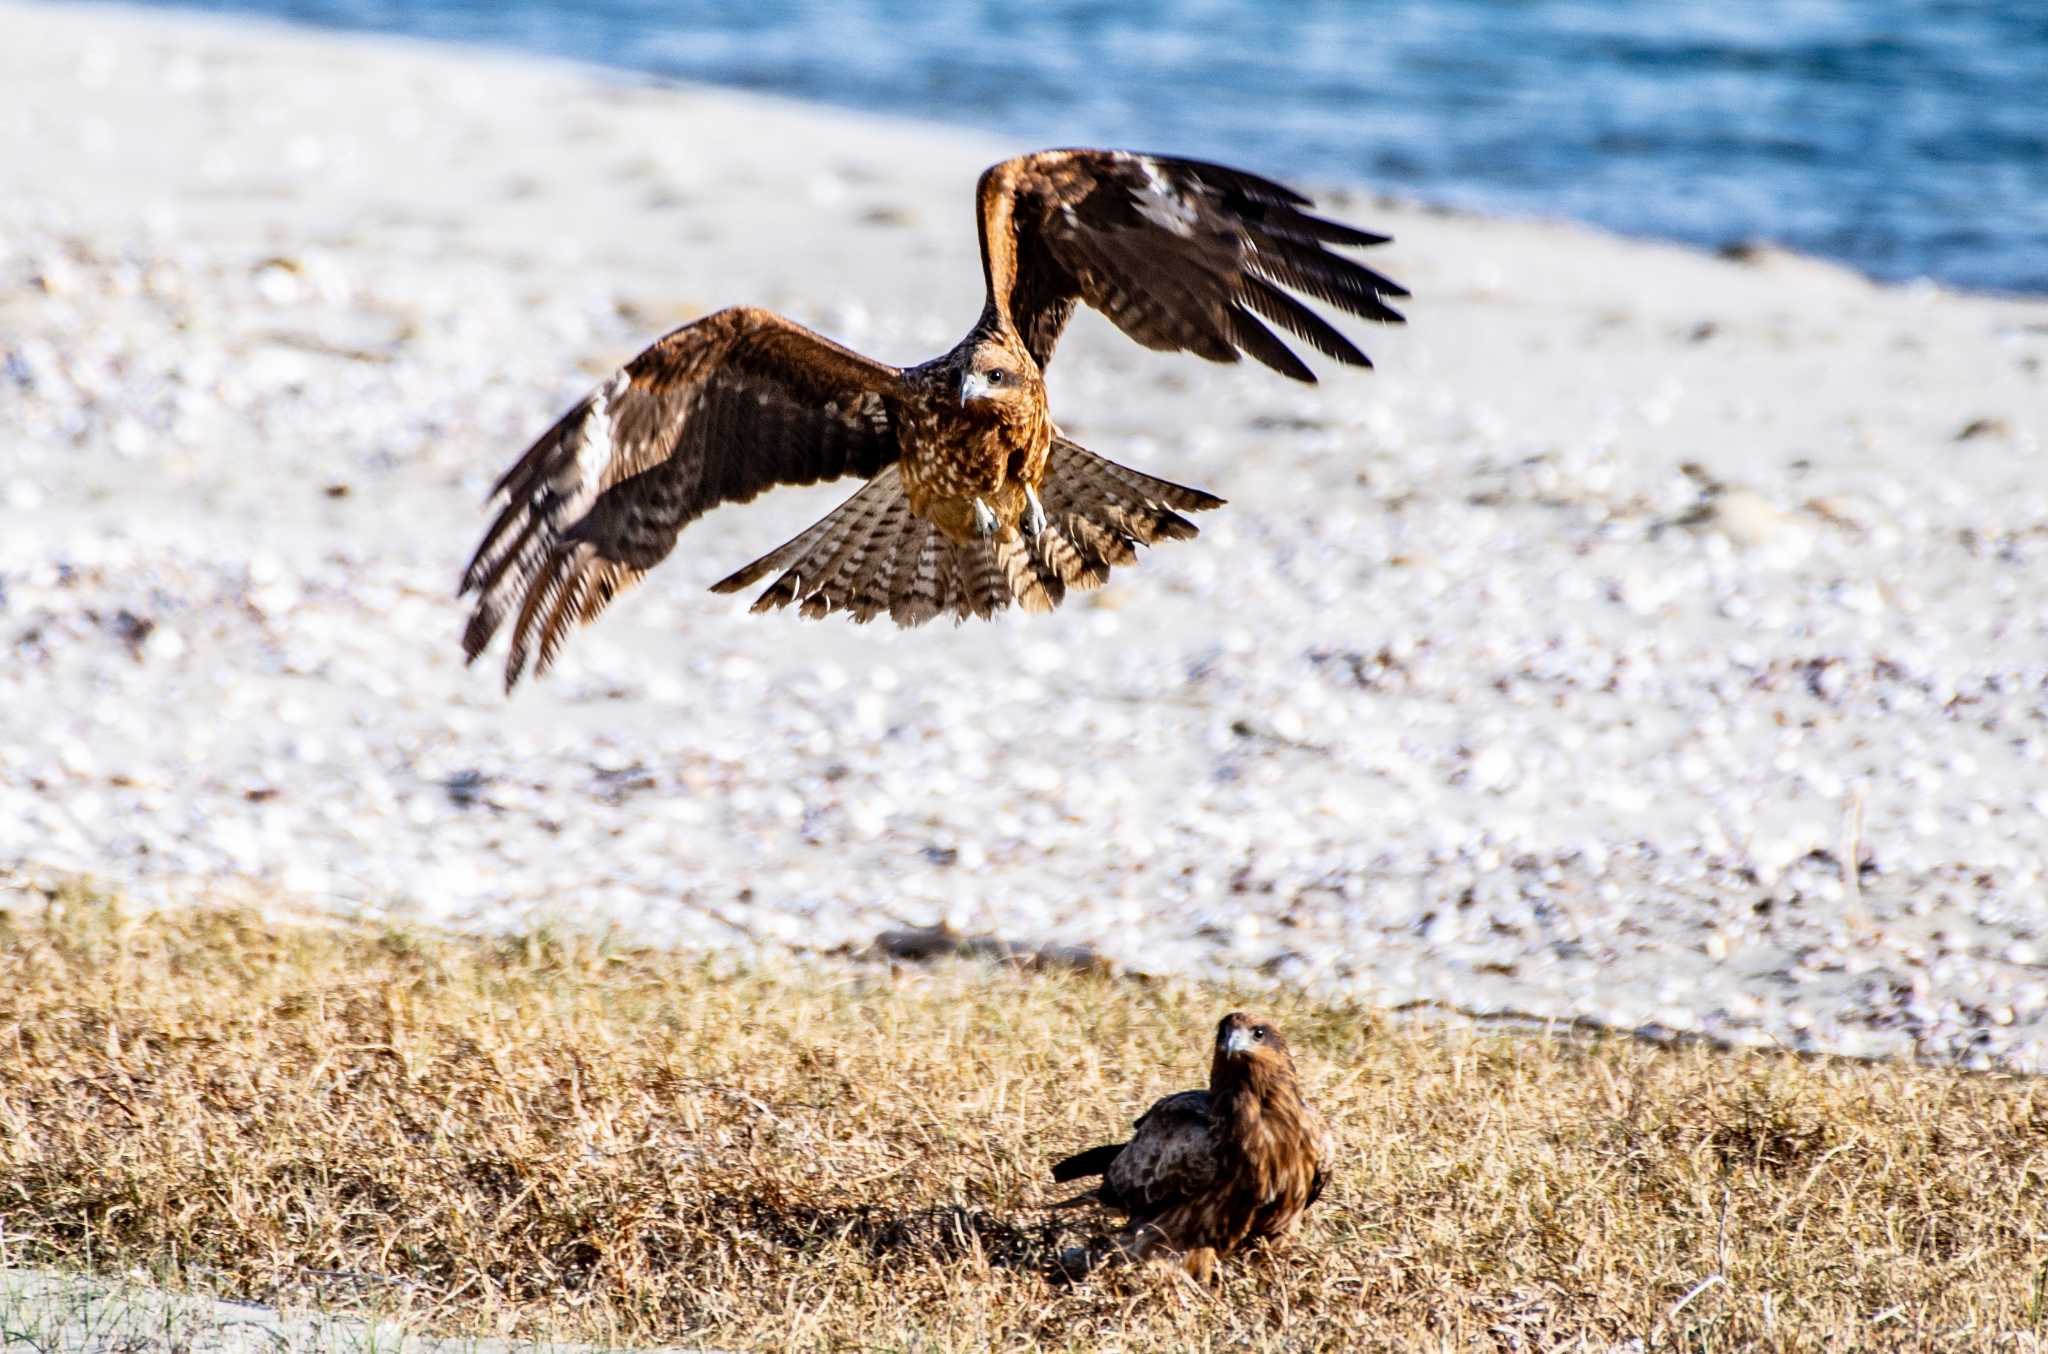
pixel 561 1136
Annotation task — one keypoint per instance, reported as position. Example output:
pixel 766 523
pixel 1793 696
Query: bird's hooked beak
pixel 974 386
pixel 1238 1043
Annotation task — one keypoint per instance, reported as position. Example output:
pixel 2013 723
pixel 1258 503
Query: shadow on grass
pixel 945 1234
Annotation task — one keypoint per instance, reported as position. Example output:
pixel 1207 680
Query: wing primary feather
pixel 568 603
pixel 1294 225
pixel 1282 309
pixel 1253 186
pixel 1325 276
pixel 540 595
pixel 1263 344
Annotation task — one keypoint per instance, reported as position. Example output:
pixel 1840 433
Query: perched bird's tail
pixel 872 556
pixel 1094 1161
pixel 1081 1165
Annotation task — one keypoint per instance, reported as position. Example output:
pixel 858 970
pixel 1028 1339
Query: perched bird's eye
pixel 1260 1031
pixel 997 376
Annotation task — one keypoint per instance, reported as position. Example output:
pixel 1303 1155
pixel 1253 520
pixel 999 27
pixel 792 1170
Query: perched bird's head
pixel 1249 1053
pixel 1241 1036
pixel 996 378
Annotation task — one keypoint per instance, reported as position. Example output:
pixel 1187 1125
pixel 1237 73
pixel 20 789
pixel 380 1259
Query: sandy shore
pixel 1556 666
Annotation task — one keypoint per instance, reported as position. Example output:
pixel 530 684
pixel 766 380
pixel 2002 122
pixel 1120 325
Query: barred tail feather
pixel 1076 479
pixel 1099 512
pixel 872 556
pixel 869 555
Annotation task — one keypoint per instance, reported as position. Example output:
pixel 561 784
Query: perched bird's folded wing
pixel 716 412
pixel 1172 1157
pixel 1181 255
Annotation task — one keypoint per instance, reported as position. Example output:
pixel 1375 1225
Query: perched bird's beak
pixel 1238 1042
pixel 973 387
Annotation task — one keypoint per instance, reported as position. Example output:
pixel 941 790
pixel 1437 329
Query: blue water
pixel 1908 138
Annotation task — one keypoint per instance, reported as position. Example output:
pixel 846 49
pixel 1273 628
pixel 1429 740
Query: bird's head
pixel 997 379
pixel 1240 1036
pixel 1250 1055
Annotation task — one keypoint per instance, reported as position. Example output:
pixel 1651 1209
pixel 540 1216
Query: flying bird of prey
pixel 974 498
pixel 1208 1172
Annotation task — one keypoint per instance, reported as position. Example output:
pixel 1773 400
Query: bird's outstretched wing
pixel 1181 255
pixel 716 412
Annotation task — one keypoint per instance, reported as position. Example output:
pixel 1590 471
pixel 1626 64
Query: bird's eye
pixel 1260 1031
pixel 997 376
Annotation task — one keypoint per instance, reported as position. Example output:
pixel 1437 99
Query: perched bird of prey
pixel 974 498
pixel 1207 1172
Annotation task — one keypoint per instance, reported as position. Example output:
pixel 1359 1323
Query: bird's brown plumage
pixel 1206 1173
pixel 1179 254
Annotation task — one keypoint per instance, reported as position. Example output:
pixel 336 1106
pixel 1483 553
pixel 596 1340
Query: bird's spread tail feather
pixel 872 556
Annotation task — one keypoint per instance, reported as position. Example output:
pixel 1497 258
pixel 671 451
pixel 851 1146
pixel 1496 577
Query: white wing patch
pixel 593 443
pixel 1161 203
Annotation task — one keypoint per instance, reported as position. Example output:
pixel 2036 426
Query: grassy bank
pixel 567 1137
